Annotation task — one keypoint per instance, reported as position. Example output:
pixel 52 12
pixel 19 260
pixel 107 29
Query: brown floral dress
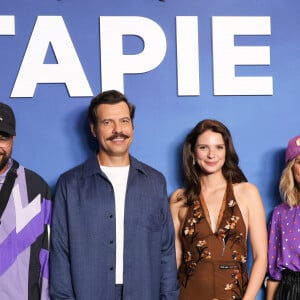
pixel 214 263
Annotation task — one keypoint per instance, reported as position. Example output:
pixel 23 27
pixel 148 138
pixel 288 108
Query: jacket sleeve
pixel 39 277
pixel 274 248
pixel 60 268
pixel 169 289
pixel 44 253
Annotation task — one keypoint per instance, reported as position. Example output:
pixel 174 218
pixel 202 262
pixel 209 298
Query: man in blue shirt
pixel 112 232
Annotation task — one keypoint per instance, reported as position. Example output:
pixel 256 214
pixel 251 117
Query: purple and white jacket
pixel 24 238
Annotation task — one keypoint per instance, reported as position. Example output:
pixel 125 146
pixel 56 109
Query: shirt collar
pixel 91 166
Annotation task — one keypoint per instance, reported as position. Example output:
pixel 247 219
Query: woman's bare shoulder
pixel 245 187
pixel 247 193
pixel 178 206
pixel 177 196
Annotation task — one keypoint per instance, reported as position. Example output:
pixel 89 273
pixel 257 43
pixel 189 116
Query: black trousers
pixel 119 291
pixel 289 286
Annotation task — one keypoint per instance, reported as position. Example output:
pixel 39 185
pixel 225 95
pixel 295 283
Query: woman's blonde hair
pixel 288 188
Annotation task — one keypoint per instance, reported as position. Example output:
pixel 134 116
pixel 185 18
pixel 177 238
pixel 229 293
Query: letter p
pixel 114 63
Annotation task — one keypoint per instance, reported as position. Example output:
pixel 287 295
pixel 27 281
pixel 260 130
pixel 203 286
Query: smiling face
pixel 210 152
pixel 6 144
pixel 296 170
pixel 114 132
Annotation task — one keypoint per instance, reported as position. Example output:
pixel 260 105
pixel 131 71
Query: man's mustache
pixel 117 135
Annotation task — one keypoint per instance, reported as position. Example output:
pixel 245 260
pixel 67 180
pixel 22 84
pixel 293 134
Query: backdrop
pixel 179 62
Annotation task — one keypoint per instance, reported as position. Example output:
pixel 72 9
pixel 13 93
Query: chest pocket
pixel 153 220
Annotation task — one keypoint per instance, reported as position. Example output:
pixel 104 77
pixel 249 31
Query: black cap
pixel 7 119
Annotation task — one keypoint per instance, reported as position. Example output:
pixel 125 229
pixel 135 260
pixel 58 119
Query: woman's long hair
pixel 192 172
pixel 288 188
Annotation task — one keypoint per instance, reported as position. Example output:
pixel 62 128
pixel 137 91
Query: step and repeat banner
pixel 179 62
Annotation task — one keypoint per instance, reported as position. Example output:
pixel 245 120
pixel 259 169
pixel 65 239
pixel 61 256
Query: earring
pixel 194 161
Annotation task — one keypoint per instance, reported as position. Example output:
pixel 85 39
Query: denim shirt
pixel 83 253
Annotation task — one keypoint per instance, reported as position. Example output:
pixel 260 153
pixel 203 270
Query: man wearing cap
pixel 25 211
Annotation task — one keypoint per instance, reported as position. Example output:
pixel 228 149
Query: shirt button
pixel 111 242
pixel 111 268
pixel 111 216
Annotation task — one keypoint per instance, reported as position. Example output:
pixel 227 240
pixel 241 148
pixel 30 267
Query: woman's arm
pixel 271 289
pixel 274 253
pixel 258 237
pixel 175 206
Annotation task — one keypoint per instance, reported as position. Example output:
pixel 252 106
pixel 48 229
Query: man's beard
pixel 4 160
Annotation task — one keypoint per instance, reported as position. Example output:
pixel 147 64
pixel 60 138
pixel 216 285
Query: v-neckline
pixel 220 215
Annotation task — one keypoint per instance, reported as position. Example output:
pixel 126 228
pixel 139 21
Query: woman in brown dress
pixel 212 216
